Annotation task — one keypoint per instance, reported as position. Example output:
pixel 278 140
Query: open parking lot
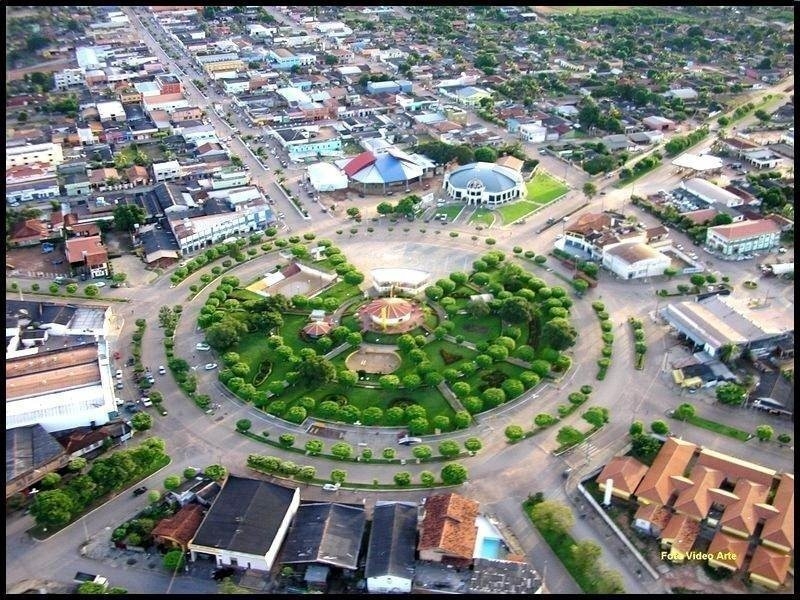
pixel 32 262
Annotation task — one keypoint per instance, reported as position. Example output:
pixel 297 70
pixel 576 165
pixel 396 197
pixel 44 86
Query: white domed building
pixel 485 183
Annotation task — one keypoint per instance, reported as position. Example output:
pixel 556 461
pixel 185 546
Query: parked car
pixel 210 366
pixel 140 490
pixel 117 355
pixel 119 385
pixel 161 370
pixel 100 284
pixel 409 441
pixel 202 346
pixel 118 374
pixel 330 487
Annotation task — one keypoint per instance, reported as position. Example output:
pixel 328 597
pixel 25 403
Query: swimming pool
pixel 492 548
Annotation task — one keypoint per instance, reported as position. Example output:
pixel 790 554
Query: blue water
pixel 492 548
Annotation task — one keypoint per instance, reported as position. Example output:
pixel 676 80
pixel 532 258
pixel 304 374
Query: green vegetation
pixel 727 430
pixel 482 216
pixel 516 210
pixel 581 559
pixel 284 373
pixel 543 188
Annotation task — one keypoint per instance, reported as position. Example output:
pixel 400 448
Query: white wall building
pixel 533 133
pixel 247 524
pixel 408 281
pixel 167 170
pixel 48 153
pixel 635 261
pixel 63 80
pixel 111 111
pixel 485 183
pixel 743 237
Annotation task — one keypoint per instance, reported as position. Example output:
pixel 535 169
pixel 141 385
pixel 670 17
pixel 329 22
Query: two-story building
pixel 743 237
pixel 29 154
pixel 87 255
pixel 313 141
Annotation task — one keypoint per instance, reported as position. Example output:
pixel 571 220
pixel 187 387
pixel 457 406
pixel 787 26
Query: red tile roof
pixel 29 228
pixel 780 528
pixel 742 515
pixel 728 550
pixel 672 459
pixel 181 526
pixel 449 525
pixel 95 251
pixel 681 531
pixel 696 500
pixel 625 471
pixel 770 565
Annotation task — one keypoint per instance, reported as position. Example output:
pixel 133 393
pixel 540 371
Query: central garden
pixel 488 336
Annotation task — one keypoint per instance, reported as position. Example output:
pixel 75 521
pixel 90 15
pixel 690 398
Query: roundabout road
pixel 501 475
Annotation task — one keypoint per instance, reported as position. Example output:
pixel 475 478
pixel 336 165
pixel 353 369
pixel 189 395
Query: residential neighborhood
pixel 404 299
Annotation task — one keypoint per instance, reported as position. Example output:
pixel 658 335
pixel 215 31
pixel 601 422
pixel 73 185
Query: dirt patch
pixel 370 361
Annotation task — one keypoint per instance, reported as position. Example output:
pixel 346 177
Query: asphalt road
pixel 501 476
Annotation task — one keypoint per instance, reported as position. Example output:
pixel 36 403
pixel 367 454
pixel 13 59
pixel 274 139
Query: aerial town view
pixel 400 299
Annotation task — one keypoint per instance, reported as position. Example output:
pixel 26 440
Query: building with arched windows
pixel 485 183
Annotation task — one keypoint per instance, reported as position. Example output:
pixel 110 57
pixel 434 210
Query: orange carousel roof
pixel 390 308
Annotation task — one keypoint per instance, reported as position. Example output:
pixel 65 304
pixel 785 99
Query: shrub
pixel 659 427
pixel 388 453
pixel 286 440
pixel 514 433
pixel 403 478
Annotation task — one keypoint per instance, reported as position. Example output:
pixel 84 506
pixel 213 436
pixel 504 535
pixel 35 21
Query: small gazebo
pixel 316 329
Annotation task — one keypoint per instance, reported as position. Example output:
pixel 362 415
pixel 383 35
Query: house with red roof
pixel 87 255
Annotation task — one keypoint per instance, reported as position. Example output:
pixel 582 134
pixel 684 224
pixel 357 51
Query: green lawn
pixel 545 188
pixel 516 210
pixel 736 434
pixel 475 330
pixel 436 348
pixel 244 295
pixel 342 291
pixel 451 210
pixel 482 216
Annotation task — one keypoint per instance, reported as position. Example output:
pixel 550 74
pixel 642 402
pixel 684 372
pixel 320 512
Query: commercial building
pixel 29 154
pixel 246 525
pixel 743 237
pixel 58 365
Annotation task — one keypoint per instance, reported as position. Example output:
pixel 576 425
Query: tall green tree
pixel 128 215
pixel 553 517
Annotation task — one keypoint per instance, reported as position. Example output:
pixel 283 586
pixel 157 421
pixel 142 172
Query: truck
pixel 81 577
pixel 778 269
